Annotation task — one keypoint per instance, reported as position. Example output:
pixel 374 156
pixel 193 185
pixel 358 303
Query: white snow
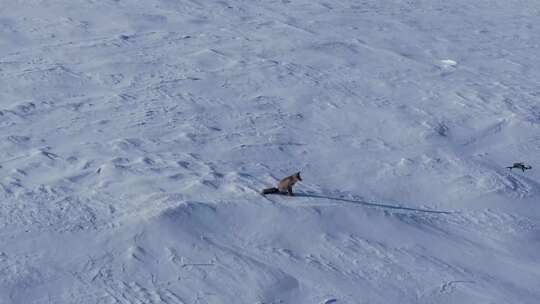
pixel 136 135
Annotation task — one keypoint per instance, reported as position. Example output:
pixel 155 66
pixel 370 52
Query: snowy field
pixel 135 137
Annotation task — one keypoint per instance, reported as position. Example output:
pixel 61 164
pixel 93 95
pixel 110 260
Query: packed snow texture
pixel 135 137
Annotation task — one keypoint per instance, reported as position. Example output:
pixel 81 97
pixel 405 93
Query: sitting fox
pixel 285 185
pixel 521 166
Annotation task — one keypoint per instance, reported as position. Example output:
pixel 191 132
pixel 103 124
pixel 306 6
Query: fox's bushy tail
pixel 270 190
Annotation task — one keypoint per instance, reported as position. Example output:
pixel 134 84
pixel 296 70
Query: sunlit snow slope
pixel 135 137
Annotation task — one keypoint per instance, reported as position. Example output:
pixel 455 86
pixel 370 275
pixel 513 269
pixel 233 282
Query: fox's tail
pixel 270 190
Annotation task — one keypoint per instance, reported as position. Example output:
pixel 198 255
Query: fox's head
pixel 297 176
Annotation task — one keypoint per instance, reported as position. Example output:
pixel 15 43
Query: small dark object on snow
pixel 521 166
pixel 285 185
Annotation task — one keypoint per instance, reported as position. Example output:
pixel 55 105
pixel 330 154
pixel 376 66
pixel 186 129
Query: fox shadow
pixel 369 204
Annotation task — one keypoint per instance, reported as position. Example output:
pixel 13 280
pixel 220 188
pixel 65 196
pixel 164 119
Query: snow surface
pixel 136 135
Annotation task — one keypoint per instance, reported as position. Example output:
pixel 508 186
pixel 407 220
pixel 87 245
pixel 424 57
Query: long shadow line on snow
pixel 365 203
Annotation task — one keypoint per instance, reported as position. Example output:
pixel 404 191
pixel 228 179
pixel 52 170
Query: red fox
pixel 285 185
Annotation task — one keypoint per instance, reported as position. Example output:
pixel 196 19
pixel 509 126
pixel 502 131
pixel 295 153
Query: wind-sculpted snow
pixel 136 136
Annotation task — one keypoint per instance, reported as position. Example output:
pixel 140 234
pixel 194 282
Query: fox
pixel 521 166
pixel 285 185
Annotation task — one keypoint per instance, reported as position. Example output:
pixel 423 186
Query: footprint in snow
pixel 448 63
pixel 447 66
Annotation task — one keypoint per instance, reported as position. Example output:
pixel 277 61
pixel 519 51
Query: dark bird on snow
pixel 521 166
